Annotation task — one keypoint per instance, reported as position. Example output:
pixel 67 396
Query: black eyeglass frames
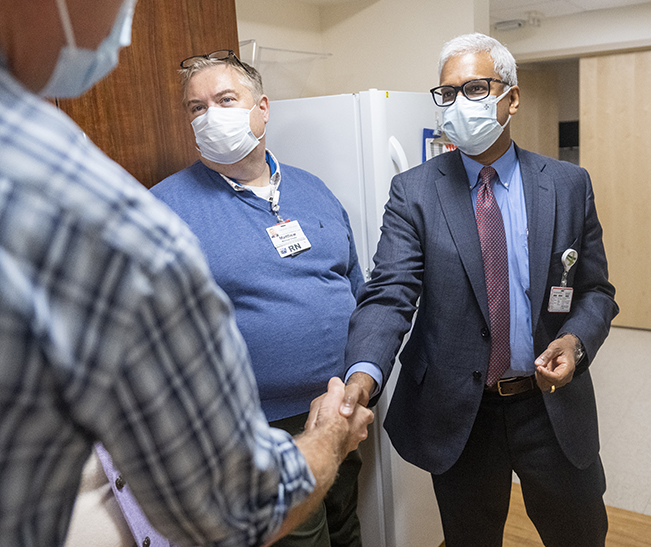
pixel 473 90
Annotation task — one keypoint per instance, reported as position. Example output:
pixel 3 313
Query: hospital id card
pixel 288 238
pixel 560 300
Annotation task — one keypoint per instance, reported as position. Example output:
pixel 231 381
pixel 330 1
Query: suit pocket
pixel 414 363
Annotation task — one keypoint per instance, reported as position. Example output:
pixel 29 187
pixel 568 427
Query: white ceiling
pixel 504 10
pixel 328 2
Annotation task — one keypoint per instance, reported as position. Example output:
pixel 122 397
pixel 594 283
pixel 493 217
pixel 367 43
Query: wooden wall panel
pixel 535 126
pixel 135 114
pixel 615 122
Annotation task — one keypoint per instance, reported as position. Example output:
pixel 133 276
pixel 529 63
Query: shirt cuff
pixel 372 370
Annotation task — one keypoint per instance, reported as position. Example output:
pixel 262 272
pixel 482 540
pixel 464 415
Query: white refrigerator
pixel 356 143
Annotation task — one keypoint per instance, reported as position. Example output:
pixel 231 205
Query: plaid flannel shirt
pixel 112 329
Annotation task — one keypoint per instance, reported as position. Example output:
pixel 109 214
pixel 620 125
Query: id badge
pixel 560 300
pixel 288 238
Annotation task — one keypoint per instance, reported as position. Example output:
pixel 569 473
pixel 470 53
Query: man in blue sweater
pixel 280 245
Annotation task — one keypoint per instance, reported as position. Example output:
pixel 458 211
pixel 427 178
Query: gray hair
pixel 248 76
pixel 503 61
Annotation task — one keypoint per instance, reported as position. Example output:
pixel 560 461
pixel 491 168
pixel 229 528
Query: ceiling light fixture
pixel 511 24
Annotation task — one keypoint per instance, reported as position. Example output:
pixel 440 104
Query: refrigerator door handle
pixel 398 154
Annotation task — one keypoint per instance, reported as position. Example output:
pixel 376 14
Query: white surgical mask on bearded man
pixel 472 125
pixel 224 135
pixel 78 69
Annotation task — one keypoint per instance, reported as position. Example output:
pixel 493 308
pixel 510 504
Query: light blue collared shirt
pixel 509 194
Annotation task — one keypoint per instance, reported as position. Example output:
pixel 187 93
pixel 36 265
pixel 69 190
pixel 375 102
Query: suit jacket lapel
pixel 540 199
pixel 454 194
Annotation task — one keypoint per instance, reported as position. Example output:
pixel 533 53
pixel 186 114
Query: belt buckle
pixel 506 381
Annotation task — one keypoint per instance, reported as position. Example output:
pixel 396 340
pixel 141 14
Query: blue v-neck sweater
pixel 292 312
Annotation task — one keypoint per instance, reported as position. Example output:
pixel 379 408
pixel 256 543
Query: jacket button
pixel 485 333
pixel 476 375
pixel 119 482
pixel 146 542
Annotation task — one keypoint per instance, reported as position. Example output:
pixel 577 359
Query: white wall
pixel 393 45
pixel 284 24
pixel 595 31
pixel 380 44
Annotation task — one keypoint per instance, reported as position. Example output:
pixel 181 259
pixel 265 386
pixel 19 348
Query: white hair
pixel 503 61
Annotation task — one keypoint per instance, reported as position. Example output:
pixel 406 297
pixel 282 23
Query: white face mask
pixel 472 125
pixel 224 135
pixel 78 69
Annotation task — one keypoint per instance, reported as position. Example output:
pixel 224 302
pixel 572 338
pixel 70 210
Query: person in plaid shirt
pixel 112 330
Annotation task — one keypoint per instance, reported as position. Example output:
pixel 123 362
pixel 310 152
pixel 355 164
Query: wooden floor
pixel 625 529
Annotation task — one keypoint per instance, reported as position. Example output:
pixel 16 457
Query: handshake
pixel 340 416
pixel 337 423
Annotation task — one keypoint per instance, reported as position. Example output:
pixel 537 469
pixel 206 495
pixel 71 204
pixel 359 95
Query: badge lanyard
pixel 287 236
pixel 274 199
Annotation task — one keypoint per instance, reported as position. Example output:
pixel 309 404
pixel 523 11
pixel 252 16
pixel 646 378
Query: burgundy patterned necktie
pixel 496 271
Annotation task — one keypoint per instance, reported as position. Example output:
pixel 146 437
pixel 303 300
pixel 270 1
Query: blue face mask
pixel 472 125
pixel 78 69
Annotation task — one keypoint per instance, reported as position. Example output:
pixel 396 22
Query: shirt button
pixel 119 482
pixel 485 333
pixel 146 542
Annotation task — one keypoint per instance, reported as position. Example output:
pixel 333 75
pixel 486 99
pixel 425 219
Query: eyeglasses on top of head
pixel 219 55
pixel 473 90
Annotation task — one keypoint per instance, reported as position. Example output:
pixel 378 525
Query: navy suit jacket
pixel 429 256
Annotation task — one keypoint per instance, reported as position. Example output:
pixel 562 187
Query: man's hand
pixel 327 438
pixel 556 365
pixel 358 390
pixel 325 413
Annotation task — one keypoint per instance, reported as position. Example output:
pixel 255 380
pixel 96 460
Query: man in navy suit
pixel 495 374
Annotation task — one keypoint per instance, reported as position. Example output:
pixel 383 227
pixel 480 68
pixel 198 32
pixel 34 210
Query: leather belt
pixel 512 386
